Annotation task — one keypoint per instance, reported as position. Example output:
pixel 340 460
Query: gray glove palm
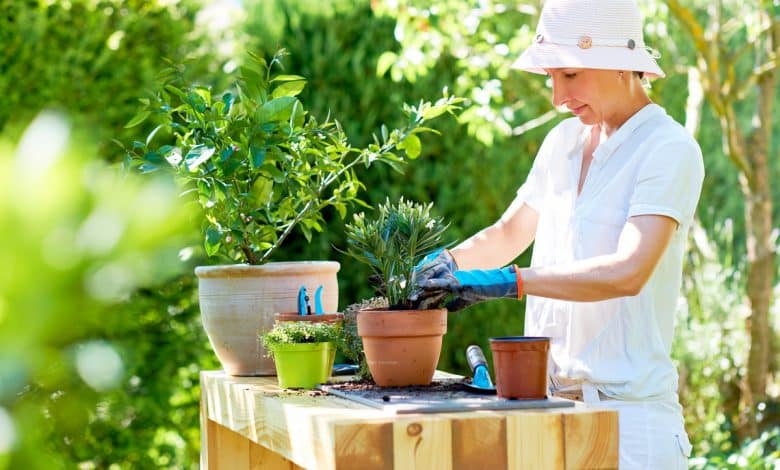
pixel 438 265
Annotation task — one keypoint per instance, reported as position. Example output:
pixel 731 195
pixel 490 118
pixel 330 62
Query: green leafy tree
pixel 258 163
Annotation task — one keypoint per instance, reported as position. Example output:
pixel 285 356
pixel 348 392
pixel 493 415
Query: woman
pixel 608 204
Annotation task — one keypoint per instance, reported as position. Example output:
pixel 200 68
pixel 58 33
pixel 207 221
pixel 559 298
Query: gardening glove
pixel 473 286
pixel 437 264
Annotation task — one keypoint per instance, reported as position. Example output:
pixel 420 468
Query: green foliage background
pixel 71 56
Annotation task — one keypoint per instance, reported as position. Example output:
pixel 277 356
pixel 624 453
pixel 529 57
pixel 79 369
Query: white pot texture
pixel 238 303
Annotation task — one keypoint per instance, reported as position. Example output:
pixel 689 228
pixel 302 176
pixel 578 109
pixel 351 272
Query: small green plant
pixel 293 332
pixel 256 162
pixel 393 243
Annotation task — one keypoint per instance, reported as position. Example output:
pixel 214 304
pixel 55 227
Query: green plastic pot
pixel 303 365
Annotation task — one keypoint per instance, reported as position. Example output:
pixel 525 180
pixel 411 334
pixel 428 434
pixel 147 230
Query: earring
pixel 620 74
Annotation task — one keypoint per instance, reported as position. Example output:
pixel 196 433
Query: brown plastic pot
pixel 402 347
pixel 520 366
pixel 313 318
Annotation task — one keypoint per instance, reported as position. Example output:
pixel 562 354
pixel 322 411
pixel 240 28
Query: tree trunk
pixel 760 252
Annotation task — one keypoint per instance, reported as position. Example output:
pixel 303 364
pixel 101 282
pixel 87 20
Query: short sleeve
pixel 530 191
pixel 561 136
pixel 669 182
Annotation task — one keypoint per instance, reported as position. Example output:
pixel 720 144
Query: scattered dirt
pixel 437 391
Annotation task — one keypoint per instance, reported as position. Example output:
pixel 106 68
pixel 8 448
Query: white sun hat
pixel 592 34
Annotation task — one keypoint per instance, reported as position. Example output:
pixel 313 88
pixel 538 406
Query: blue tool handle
pixel 482 377
pixel 302 300
pixel 318 301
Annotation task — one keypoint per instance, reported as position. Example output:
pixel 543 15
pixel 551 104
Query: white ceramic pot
pixel 238 302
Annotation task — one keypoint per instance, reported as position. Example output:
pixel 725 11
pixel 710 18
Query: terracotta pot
pixel 238 302
pixel 402 346
pixel 520 366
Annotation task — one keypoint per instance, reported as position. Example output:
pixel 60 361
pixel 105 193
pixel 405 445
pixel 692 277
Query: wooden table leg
pixel 223 449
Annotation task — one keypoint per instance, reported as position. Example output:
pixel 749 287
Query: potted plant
pixel 303 351
pixel 259 166
pixel 401 344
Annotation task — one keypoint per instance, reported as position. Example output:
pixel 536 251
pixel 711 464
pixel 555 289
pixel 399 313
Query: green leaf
pixel 230 167
pixel 435 111
pixel 262 190
pixel 175 91
pixel 385 61
pixel 138 119
pixel 154 158
pixel 197 155
pixel 258 156
pixel 152 134
pixel 298 115
pixel 412 146
pixel 306 232
pixel 225 154
pixel 197 102
pixel 213 240
pixel 278 109
pixel 289 89
pixel 228 99
pixel 254 80
pixel 287 78
pixel 277 174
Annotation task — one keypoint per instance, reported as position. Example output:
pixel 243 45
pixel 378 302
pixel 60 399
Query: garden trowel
pixel 480 381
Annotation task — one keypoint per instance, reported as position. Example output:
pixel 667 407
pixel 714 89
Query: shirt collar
pixel 608 147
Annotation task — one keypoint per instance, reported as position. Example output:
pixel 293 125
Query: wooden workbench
pixel 248 422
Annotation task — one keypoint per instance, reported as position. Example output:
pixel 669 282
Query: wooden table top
pixel 314 430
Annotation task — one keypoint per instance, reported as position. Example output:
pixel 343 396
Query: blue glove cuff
pixel 490 282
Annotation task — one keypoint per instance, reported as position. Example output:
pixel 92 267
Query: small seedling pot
pixel 314 318
pixel 520 366
pixel 303 365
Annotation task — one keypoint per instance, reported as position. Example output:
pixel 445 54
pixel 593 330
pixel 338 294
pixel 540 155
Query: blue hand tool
pixel 318 301
pixel 480 382
pixel 302 298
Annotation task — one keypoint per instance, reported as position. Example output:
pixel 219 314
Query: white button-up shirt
pixel 650 165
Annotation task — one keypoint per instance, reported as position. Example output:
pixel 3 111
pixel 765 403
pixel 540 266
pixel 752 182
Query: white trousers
pixel 652 433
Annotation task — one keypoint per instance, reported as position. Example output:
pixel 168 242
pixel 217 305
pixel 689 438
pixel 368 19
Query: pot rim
pixel 275 268
pixel 300 347
pixel 384 310
pixel 518 339
pixel 381 322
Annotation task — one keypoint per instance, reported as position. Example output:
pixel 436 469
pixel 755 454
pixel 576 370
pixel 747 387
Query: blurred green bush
pixel 92 58
pixel 77 386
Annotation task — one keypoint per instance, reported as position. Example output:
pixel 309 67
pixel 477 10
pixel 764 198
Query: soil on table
pixel 438 390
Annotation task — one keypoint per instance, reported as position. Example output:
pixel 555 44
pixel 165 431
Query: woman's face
pixel 594 96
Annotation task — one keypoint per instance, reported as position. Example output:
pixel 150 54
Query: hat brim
pixel 542 56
